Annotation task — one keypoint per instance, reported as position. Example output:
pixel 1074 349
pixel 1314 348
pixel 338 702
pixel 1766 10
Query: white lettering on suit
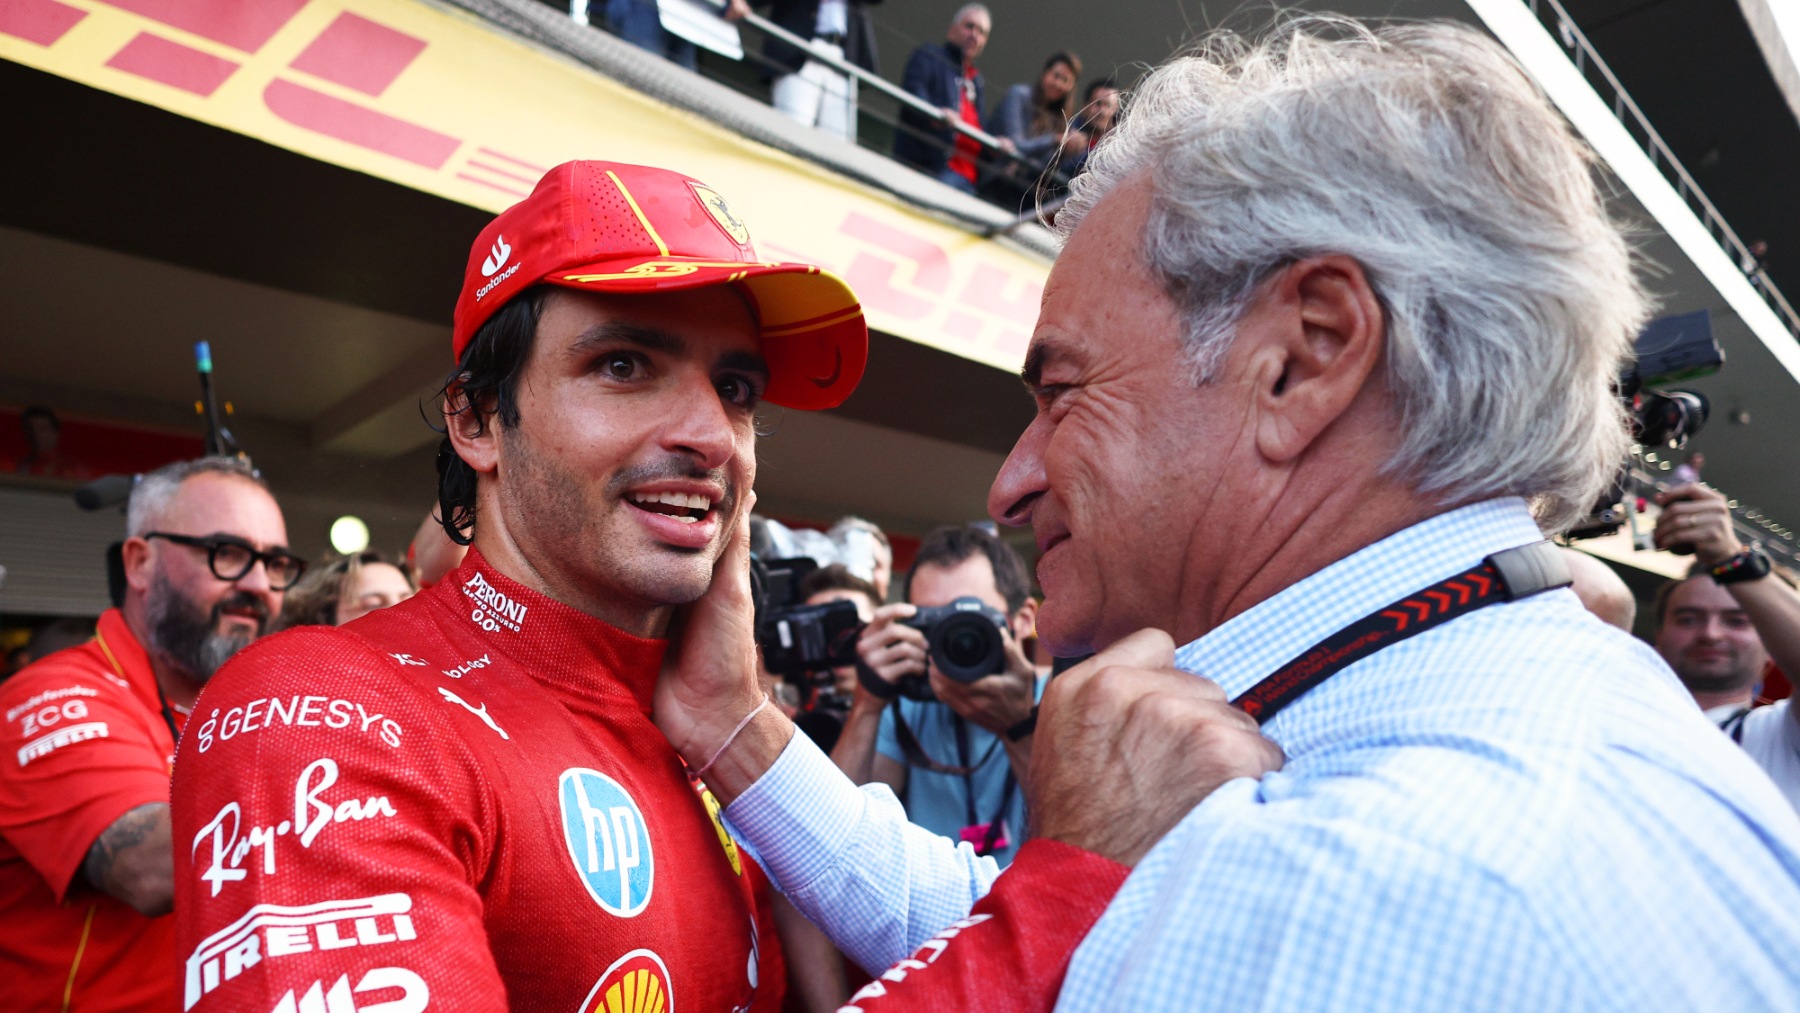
pixel 312 814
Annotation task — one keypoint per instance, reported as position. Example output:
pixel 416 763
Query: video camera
pixel 1669 350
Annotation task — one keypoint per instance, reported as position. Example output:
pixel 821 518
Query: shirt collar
pixel 1256 642
pixel 560 646
pixel 126 658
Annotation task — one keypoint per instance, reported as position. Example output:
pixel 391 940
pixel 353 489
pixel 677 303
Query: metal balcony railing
pixel 1600 77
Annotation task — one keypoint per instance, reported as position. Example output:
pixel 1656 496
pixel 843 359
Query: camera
pixel 965 639
pixel 1669 350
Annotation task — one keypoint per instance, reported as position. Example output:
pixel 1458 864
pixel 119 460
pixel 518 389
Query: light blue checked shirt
pixel 1519 810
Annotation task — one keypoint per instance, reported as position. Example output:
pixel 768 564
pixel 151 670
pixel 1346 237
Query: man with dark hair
pixel 460 800
pixel 43 438
pixel 952 760
pixel 1721 626
pixel 1099 110
pixel 86 862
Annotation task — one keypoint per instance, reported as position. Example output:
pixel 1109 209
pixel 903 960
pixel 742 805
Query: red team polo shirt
pixel 456 803
pixel 84 741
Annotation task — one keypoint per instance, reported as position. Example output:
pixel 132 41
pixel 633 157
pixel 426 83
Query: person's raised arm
pixel 1097 808
pixel 1697 516
pixel 887 651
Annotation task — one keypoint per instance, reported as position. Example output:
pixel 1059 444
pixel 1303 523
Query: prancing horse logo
pixel 721 212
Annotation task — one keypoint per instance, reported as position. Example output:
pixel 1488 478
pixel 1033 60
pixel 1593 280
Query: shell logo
pixel 638 982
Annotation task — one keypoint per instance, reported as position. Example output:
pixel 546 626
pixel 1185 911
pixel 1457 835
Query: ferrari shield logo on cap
pixel 721 212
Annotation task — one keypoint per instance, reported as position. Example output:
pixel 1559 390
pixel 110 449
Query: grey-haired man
pixel 1336 310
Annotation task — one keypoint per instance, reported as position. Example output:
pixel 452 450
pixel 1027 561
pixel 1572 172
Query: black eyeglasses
pixel 230 558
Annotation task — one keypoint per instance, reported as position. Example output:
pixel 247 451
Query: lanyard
pixel 1502 577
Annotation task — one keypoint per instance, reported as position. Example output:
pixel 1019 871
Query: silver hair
pixel 1425 153
pixel 151 495
pixel 956 19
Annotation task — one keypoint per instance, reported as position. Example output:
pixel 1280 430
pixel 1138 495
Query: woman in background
pixel 1037 118
pixel 345 589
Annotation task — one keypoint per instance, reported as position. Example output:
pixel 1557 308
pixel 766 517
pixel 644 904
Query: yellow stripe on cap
pixel 784 330
pixel 641 217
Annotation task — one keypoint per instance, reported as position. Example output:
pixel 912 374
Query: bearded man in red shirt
pixel 460 802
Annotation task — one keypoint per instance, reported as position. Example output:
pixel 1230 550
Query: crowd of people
pixel 1337 732
pixel 1043 129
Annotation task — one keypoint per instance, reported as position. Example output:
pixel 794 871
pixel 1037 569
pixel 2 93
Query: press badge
pixel 977 834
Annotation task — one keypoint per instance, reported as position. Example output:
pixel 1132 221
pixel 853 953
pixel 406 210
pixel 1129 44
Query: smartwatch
pixel 1750 564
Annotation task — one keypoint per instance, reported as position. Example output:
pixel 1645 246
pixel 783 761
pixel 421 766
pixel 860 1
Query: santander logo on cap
pixel 496 258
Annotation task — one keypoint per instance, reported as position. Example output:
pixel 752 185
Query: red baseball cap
pixel 612 227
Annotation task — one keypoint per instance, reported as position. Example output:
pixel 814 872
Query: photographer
pixel 949 759
pixel 822 715
pixel 1721 626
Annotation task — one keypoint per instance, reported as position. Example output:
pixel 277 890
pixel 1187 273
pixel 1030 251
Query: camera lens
pixel 964 647
pixel 967 646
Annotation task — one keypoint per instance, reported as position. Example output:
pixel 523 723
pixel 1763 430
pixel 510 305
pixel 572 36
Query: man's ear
pixel 135 554
pixel 1024 621
pixel 1322 332
pixel 473 429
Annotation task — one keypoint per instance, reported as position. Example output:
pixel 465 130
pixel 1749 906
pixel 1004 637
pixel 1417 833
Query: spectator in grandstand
pixel 1099 110
pixel 639 22
pixel 1720 627
pixel 808 91
pixel 944 75
pixel 341 590
pixel 1601 590
pixel 1037 118
pixel 951 760
pixel 86 858
pixel 822 715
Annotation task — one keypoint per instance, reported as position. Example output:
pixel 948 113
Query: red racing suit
pixel 457 803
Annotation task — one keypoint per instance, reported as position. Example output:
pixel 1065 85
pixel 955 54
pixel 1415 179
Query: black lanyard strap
pixel 1504 576
pixel 917 757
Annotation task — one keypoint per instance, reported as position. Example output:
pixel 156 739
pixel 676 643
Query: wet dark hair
pixel 951 545
pixel 485 383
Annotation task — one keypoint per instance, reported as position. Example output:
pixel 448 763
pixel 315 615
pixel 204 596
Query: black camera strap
pixel 916 756
pixel 1502 577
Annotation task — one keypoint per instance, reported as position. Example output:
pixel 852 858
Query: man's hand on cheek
pixel 709 682
pixel 1127 745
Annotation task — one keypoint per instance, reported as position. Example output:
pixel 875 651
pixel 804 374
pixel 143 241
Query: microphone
pixel 105 491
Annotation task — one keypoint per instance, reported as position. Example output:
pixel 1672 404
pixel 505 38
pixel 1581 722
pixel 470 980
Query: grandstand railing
pixel 995 162
pixel 1594 70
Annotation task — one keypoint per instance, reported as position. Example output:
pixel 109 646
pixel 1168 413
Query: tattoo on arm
pixel 134 861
